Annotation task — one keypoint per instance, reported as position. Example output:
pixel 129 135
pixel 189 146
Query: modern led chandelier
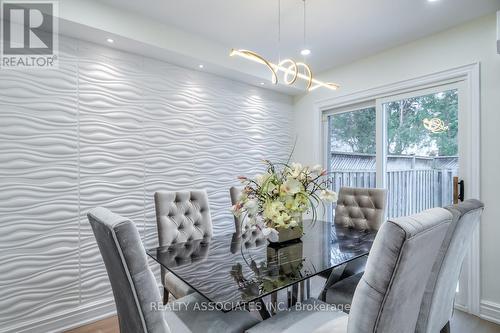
pixel 435 125
pixel 292 70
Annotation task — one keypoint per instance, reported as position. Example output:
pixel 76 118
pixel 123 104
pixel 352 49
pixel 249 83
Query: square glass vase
pixel 286 235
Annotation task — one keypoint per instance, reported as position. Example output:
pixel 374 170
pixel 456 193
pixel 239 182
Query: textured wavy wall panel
pixel 111 151
pixel 109 129
pixel 39 233
pixel 170 152
pixel 202 131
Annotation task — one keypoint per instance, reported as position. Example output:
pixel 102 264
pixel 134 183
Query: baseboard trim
pixel 490 311
pixel 461 307
pixel 66 320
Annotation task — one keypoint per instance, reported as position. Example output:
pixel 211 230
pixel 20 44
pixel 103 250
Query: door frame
pixel 469 77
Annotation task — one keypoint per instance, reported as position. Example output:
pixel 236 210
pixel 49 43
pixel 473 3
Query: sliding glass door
pixel 409 144
pixel 421 157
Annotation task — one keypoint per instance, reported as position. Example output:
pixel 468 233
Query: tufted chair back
pixel 360 208
pixel 182 216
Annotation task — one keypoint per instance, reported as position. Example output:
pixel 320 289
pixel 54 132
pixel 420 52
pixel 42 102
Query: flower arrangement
pixel 277 199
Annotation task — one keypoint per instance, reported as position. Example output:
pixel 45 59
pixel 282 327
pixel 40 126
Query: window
pixel 406 143
pixel 352 148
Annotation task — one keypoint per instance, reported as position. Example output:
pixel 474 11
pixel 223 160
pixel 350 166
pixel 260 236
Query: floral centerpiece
pixel 276 200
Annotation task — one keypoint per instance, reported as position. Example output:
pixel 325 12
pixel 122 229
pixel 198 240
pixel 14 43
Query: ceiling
pixel 338 31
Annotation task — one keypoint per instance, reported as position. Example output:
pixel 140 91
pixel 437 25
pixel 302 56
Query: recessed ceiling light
pixel 262 83
pixel 109 40
pixel 305 52
pixel 433 0
pixel 200 66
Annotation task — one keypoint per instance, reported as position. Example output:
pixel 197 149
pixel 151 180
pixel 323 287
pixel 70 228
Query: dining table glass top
pixel 233 269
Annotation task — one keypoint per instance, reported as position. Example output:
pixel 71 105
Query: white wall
pixel 472 42
pixel 109 129
pixel 498 32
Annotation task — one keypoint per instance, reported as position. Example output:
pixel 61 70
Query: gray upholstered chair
pixel 388 297
pixel 137 298
pixel 243 236
pixel 181 216
pixel 437 304
pixel 358 208
pixel 361 208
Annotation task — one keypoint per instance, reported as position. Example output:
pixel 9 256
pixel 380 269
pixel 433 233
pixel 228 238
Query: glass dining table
pixel 235 270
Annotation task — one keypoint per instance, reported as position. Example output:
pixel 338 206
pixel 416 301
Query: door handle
pixel 458 190
pixel 461 190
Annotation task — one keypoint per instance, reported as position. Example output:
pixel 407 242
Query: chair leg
pixel 274 302
pixel 264 313
pixel 446 328
pixel 165 296
pixel 333 277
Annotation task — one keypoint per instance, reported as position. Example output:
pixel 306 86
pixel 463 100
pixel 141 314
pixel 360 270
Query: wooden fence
pixel 409 190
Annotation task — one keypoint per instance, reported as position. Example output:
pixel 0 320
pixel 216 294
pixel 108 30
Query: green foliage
pixel 354 129
pixel 406 135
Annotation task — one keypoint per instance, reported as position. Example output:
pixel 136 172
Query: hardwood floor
pixel 461 323
pixel 465 323
pixel 108 325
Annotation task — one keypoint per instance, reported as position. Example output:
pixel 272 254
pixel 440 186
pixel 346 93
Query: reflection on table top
pixel 235 268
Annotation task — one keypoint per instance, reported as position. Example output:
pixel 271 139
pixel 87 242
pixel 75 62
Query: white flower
pixel 296 170
pixel 271 234
pixel 251 207
pixel 291 186
pixel 328 195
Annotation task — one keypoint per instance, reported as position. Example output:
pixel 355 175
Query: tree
pixel 354 131
pixel 446 108
pixel 406 135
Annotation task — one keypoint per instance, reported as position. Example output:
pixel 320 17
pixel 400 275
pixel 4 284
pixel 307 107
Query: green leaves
pixel 356 131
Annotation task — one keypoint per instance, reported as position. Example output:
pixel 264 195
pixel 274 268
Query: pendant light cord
pixel 279 31
pixel 304 1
